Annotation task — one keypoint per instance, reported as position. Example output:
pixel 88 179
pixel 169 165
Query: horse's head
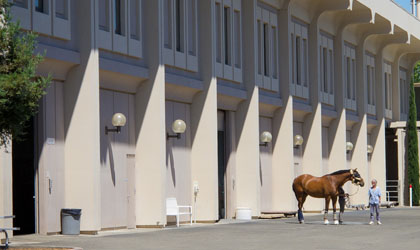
pixel 356 178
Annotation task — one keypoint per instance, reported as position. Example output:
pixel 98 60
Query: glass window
pixel 135 19
pixel 61 9
pixel 237 31
pixel 192 27
pixel 218 33
pixel 228 34
pixel 41 6
pixel 104 15
pixel 167 23
pixel 179 25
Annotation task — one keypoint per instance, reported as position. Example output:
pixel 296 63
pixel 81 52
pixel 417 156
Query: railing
pixel 392 191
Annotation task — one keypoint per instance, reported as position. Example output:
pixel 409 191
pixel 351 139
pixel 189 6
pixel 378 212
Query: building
pixel 334 72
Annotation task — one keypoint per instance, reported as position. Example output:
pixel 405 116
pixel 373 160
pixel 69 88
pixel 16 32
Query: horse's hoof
pixel 302 222
pixel 336 222
pixel 341 223
pixel 326 222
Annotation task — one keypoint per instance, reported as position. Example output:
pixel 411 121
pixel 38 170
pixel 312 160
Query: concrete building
pixel 334 72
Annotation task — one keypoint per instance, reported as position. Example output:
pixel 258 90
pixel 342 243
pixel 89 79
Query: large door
pixel 23 160
pixel 221 166
pixel 117 169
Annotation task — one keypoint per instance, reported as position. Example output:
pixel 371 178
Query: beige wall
pixel 152 94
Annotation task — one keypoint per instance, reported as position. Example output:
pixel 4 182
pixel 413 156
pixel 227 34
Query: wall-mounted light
pixel 265 138
pixel 349 147
pixel 297 141
pixel 118 121
pixel 178 127
pixel 369 149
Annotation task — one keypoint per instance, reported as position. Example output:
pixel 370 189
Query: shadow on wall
pixel 170 161
pixel 111 158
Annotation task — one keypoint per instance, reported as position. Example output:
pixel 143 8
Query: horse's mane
pixel 340 172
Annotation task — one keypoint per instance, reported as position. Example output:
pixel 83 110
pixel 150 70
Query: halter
pixel 354 178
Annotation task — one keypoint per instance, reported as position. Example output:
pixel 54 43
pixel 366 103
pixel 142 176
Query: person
pixel 374 202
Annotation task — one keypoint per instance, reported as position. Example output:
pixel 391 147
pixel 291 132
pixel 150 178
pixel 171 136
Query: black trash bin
pixel 70 221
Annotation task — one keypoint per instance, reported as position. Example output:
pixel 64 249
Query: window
pixel 180 33
pixel 41 6
pixel 192 28
pixel 370 84
pixel 227 35
pixel 179 25
pixel 61 9
pixel 218 20
pixel 350 76
pixel 134 19
pixel 227 23
pixel 388 89
pixel 299 59
pixel 237 41
pixel 104 15
pixel 267 77
pixel 119 17
pixel 404 90
pixel 327 70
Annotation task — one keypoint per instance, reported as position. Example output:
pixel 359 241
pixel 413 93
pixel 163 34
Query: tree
pixel 412 141
pixel 20 87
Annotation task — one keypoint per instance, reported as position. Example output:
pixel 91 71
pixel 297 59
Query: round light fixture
pixel 118 120
pixel 349 146
pixel 298 140
pixel 266 137
pixel 179 126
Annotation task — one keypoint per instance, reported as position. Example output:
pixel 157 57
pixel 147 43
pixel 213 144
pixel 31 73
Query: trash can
pixel 70 221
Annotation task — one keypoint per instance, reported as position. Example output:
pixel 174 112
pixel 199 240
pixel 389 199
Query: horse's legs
pixel 334 201
pixel 301 199
pixel 327 204
pixel 342 202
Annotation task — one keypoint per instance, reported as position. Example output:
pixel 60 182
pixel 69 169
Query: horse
pixel 328 186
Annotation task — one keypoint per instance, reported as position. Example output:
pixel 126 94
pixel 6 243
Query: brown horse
pixel 328 186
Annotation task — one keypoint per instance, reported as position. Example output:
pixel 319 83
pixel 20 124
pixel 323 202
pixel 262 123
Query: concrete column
pixel 204 125
pixel 312 127
pixel 150 127
pixel 359 130
pixel 81 109
pixel 247 119
pixel 282 128
pixel 6 192
pixel 378 164
pixel 396 104
pixel 337 130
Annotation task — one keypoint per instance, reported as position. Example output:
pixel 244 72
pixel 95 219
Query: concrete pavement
pixel 400 230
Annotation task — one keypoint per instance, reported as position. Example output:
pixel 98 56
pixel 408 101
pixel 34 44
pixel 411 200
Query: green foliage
pixel 20 87
pixel 412 144
pixel 416 72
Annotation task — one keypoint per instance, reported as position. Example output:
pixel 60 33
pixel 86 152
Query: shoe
pixel 371 223
pixel 379 223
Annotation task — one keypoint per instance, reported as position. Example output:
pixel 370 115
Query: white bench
pixel 5 229
pixel 172 209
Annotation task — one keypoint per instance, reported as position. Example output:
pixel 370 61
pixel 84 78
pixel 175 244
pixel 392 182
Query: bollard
pixel 411 195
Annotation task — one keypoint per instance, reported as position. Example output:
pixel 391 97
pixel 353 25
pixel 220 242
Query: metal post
pixel 411 195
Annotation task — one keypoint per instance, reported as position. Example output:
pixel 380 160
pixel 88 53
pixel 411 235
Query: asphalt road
pixel 400 230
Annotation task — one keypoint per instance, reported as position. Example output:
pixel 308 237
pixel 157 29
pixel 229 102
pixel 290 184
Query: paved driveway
pixel 400 230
